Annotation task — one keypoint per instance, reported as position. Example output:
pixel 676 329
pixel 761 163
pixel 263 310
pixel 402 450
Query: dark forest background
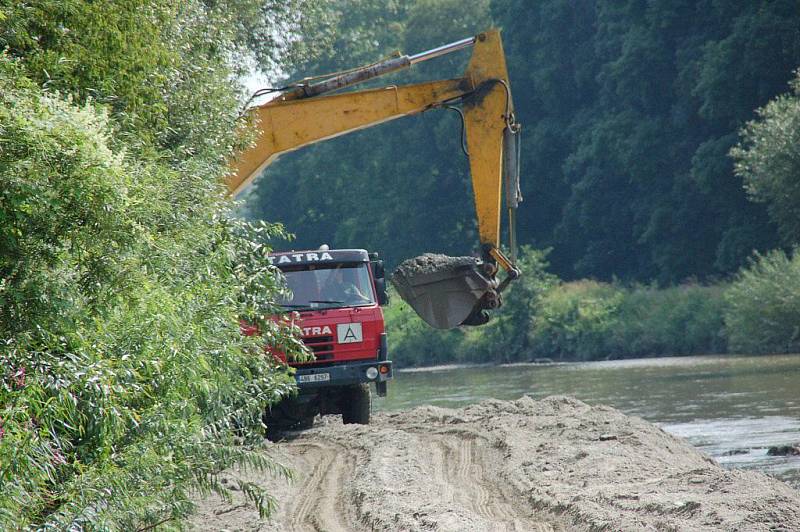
pixel 629 108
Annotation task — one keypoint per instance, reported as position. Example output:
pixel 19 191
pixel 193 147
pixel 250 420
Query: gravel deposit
pixel 554 464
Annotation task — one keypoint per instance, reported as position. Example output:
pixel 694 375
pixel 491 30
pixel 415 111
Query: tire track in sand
pixel 499 466
pixel 319 502
pixel 460 467
pixel 466 480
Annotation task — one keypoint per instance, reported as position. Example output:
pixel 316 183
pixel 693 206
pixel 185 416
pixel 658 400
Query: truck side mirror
pixel 378 270
pixel 380 287
pixel 379 273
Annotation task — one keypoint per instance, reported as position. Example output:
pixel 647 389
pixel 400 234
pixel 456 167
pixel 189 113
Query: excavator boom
pixel 306 113
pixel 291 125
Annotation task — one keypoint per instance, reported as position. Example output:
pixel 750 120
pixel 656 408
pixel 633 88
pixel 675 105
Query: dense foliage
pixel 629 109
pixel 588 321
pixel 575 321
pixel 763 310
pixel 124 381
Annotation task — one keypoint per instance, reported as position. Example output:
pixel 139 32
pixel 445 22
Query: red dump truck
pixel 337 294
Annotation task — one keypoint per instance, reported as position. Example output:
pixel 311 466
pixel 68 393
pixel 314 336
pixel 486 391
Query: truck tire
pixel 289 415
pixel 357 405
pixel 305 423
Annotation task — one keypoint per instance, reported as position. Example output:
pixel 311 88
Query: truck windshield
pixel 329 286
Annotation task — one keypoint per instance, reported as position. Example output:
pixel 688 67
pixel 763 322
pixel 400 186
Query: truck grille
pixel 322 346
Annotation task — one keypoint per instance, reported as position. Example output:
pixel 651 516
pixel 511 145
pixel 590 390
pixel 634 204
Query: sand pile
pixel 554 464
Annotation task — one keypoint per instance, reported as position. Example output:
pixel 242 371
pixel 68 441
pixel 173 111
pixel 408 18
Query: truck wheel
pixel 289 415
pixel 305 423
pixel 357 405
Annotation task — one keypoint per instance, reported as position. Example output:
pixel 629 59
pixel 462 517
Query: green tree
pixel 162 68
pixel 125 382
pixel 768 161
pixel 650 194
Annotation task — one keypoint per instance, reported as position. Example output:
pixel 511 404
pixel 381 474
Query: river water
pixel 730 407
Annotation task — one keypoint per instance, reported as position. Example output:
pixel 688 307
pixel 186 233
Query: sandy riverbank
pixel 554 464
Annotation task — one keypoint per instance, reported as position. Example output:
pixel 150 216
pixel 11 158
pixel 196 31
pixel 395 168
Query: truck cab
pixel 337 295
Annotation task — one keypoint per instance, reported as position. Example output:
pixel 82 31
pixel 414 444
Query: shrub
pixel 582 320
pixel 680 320
pixel 506 337
pixel 576 320
pixel 587 320
pixel 763 306
pixel 124 381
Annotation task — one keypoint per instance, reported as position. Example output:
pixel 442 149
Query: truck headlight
pixel 372 373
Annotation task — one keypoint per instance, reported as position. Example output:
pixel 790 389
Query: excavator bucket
pixel 445 291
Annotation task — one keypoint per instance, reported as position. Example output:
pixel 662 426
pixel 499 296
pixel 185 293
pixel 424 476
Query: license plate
pixel 314 377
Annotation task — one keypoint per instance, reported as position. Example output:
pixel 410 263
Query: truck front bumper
pixel 348 373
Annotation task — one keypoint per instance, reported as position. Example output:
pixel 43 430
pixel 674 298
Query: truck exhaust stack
pixel 447 291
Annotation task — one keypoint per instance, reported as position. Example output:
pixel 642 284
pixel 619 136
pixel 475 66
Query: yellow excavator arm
pixel 304 114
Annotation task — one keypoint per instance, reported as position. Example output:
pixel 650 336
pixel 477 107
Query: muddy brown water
pixel 732 408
